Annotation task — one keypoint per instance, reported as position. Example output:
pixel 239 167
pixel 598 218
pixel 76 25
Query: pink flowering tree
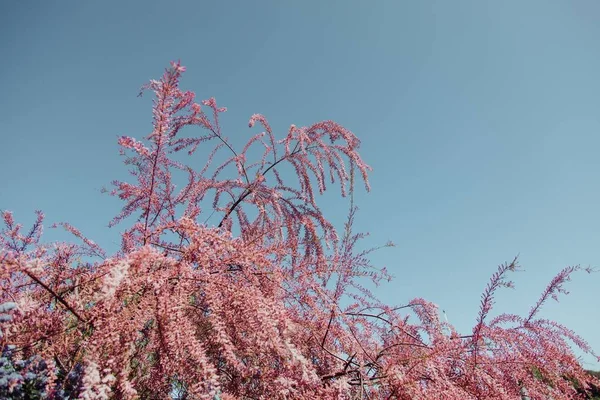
pixel 267 302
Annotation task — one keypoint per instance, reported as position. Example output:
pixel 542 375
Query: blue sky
pixel 481 121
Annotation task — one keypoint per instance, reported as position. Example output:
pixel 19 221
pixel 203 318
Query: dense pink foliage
pixel 268 302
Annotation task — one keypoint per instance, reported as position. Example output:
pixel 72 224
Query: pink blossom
pixel 236 284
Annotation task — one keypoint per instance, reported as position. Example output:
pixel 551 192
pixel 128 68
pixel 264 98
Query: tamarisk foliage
pixel 269 301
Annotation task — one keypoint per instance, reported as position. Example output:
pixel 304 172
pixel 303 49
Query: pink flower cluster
pixel 266 302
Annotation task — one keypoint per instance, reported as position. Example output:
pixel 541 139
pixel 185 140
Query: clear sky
pixel 481 120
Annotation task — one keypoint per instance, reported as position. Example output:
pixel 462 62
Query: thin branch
pixel 59 298
pixel 327 331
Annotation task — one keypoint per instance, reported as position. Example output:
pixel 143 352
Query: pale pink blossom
pixel 235 284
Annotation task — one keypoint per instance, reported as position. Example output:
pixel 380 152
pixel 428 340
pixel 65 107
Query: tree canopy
pixel 269 302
